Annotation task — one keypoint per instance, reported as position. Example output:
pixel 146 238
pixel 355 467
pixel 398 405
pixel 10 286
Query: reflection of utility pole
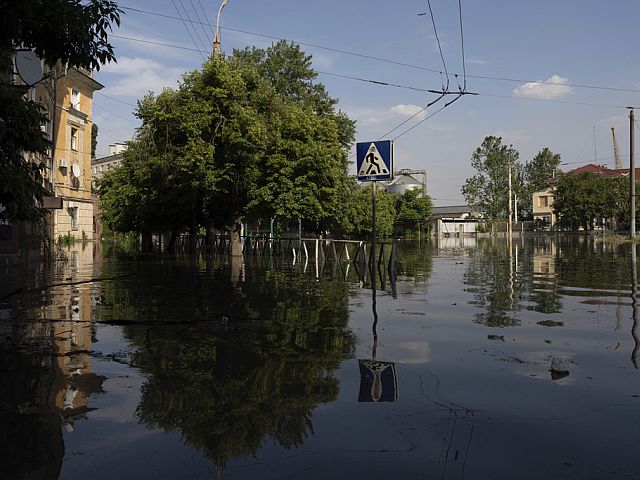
pixel 510 205
pixel 634 304
pixel 632 173
pixel 216 38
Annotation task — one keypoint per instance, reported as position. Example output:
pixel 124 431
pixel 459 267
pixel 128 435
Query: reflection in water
pixel 248 358
pixel 634 304
pixel 47 375
pixel 242 357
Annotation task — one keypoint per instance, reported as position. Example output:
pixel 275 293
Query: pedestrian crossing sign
pixel 374 161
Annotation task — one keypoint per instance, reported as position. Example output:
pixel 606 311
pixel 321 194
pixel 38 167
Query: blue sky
pixel 568 42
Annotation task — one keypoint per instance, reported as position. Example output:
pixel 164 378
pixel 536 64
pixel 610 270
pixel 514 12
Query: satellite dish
pixel 75 169
pixel 29 67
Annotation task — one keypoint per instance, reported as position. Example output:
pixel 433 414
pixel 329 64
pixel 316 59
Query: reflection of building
pixel 544 260
pixel 456 220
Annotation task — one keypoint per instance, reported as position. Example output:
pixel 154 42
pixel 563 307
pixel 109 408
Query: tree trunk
pixel 147 242
pixel 171 247
pixel 236 244
pixel 193 239
pixel 210 239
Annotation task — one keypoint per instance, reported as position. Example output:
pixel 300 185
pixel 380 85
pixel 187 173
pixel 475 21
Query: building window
pixel 543 201
pixel 74 139
pixel 73 213
pixel 75 99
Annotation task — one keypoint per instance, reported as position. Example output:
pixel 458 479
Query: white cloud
pixel 137 76
pixel 554 87
pixel 409 110
pixel 377 116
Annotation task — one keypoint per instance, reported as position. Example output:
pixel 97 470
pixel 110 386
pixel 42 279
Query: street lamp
pixel 216 38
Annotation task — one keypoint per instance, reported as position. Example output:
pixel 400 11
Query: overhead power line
pixel 464 68
pixel 435 31
pixel 376 82
pixel 390 61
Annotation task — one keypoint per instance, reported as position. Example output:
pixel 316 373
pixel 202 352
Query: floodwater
pixel 479 361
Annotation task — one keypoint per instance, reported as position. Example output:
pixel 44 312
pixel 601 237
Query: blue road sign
pixel 374 161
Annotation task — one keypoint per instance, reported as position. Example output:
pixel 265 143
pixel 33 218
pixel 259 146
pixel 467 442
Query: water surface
pixel 493 362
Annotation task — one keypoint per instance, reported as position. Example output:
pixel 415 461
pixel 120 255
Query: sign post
pixel 374 162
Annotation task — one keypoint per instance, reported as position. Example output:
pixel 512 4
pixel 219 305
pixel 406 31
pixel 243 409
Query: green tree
pixel 250 136
pixel 412 210
pixel 536 174
pixel 581 199
pixel 488 189
pixel 66 31
pixel 94 139
pixel 356 213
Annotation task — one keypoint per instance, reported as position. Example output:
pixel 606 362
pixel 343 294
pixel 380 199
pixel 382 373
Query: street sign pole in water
pixel 374 162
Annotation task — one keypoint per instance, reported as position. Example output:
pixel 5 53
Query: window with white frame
pixel 74 139
pixel 75 99
pixel 73 213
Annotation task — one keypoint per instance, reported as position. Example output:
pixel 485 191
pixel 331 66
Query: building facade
pixel 71 159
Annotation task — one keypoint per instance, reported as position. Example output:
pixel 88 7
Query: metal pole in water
pixel 373 240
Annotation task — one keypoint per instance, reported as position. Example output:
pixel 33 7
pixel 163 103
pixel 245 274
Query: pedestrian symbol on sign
pixel 374 160
pixel 373 163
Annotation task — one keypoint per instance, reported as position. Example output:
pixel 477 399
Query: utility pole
pixel 632 173
pixel 510 205
pixel 216 37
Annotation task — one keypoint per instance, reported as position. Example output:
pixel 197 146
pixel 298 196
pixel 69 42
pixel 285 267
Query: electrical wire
pixel 193 26
pixel 202 24
pixel 435 31
pixel 187 29
pixel 427 118
pixel 114 99
pixel 464 68
pixel 386 60
pixel 376 82
pixel 206 17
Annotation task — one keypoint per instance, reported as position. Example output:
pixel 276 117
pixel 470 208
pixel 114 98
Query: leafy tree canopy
pixel 487 190
pixel 249 136
pixel 412 210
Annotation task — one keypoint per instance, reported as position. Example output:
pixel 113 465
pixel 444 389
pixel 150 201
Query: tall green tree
pixel 536 174
pixel 247 137
pixel 580 200
pixel 66 31
pixel 412 210
pixel 487 190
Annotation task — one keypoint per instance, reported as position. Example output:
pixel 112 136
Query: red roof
pixel 600 170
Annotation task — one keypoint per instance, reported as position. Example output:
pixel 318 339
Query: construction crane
pixel 616 149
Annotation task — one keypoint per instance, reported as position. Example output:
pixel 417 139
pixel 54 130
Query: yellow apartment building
pixel 71 156
pixel 66 94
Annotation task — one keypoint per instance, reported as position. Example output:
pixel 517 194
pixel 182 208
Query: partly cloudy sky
pixel 559 81
pixel 553 87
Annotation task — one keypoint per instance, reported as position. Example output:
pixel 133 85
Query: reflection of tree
pixel 415 262
pixel 493 285
pixel 30 426
pixel 252 373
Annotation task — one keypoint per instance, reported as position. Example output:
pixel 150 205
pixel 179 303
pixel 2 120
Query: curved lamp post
pixel 216 38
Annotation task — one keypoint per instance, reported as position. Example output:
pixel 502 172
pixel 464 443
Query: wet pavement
pixel 480 361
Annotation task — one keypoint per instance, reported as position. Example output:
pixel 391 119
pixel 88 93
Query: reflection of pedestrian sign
pixel 378 381
pixel 374 160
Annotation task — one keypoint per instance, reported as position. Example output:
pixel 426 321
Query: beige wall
pixel 543 206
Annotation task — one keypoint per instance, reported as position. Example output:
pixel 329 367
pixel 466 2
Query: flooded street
pixel 479 362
